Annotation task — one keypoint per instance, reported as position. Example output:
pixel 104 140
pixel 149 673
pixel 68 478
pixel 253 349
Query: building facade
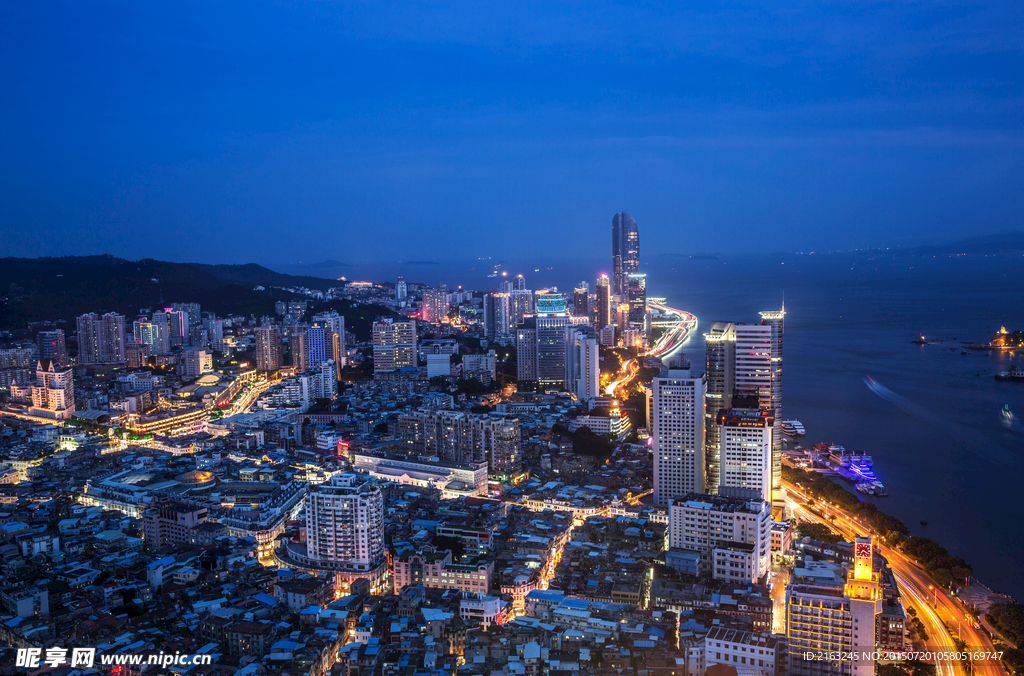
pixel 625 251
pixel 677 433
pixel 345 523
pixel 732 531
pixel 394 345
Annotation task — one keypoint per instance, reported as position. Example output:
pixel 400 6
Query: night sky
pixel 360 131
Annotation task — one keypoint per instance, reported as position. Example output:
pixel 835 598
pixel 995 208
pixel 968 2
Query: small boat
pixel 924 523
pixel 1015 373
pixel 793 428
pixel 1007 413
pixel 919 341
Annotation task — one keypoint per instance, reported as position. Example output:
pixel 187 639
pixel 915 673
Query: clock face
pixel 863 550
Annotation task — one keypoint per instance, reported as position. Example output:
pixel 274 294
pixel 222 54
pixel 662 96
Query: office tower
pixel 720 354
pixel 435 304
pixel 522 304
pixel 775 320
pixel 551 319
pixel 582 370
pixel 401 292
pixel 636 294
pixel 604 303
pixel 345 522
pixel 198 361
pixel 463 438
pixel 581 300
pixel 830 619
pixel 677 433
pixel 625 251
pixel 316 345
pixel 526 352
pixel 101 340
pixel 745 452
pixel 394 345
pixel 730 538
pixel 53 394
pixel 498 316
pixel 299 354
pixel 334 336
pixel 52 347
pixel 177 323
pixel 269 349
pixel 193 317
pixel 622 317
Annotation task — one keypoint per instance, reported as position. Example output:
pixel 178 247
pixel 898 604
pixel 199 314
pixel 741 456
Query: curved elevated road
pixel 669 342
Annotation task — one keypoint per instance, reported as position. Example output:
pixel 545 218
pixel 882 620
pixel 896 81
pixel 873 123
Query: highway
pixel 935 608
pixel 669 342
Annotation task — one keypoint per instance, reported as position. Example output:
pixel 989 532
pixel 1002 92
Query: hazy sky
pixel 280 132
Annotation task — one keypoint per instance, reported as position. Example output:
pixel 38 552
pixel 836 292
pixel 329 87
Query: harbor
pixel 834 461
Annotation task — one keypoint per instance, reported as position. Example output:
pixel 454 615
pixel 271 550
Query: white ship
pixel 793 428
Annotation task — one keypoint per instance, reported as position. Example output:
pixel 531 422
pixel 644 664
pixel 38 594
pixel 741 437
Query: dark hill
pixel 41 289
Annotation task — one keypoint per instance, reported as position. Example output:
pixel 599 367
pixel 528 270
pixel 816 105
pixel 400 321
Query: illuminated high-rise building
pixel 604 303
pixel 582 370
pixel 435 304
pixel 52 347
pixel 720 367
pixel 637 298
pixel 101 340
pixel 625 251
pixel 401 290
pixel 498 317
pixel 522 303
pixel 677 432
pixel 775 320
pixel 297 348
pixel 394 345
pixel 745 453
pixel 581 300
pixel 269 349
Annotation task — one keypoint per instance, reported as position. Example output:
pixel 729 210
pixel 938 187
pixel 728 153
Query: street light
pixel 935 603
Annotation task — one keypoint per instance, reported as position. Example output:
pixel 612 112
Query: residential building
pixel 53 394
pixel 732 536
pixel 435 305
pixel 394 345
pixel 438 571
pixel 101 339
pixel 483 367
pixel 170 524
pixel 345 522
pixel 751 653
pixel 51 346
pixel 745 450
pixel 459 437
pixel 582 362
pixel 603 314
pixel 197 362
pixel 269 349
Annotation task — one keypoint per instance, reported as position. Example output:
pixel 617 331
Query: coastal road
pixel 935 608
pixel 669 342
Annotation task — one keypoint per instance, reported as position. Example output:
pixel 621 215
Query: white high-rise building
pixel 345 523
pixel 733 536
pixel 582 370
pixel 745 453
pixel 198 362
pixel 677 432
pixel 401 290
pixel 53 394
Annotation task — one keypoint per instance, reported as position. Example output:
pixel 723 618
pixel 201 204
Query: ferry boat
pixel 793 428
pixel 1015 373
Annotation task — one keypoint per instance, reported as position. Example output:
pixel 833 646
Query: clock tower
pixel 864 590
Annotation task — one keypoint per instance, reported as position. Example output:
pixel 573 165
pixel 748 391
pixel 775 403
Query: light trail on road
pixel 669 342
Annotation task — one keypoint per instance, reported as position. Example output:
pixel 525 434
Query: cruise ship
pixel 793 428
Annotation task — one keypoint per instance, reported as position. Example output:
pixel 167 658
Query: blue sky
pixel 360 131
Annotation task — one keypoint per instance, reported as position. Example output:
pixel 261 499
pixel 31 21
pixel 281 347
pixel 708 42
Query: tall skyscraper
pixel 604 303
pixel 582 370
pixel 394 345
pixel 317 338
pixel 334 336
pixel 637 298
pixel 435 304
pixel 677 432
pixel 401 291
pixel 551 320
pixel 52 347
pixel 101 340
pixel 775 320
pixel 745 452
pixel 625 251
pixel 297 347
pixel 269 349
pixel 526 352
pixel 345 523
pixel 498 317
pixel 720 372
pixel 581 300
pixel 522 304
